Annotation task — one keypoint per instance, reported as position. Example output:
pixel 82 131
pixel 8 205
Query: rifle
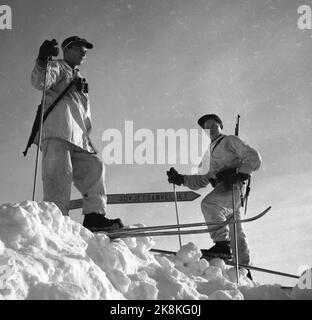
pixel 244 199
pixel 237 126
pixel 236 134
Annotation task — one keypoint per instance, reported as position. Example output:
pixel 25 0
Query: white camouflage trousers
pixel 217 206
pixel 63 164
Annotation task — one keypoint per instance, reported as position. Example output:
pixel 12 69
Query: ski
pixel 152 231
pixel 141 234
pixel 232 264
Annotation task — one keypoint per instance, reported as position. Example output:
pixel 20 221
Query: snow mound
pixel 44 255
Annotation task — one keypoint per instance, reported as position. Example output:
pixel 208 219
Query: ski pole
pixel 234 211
pixel 235 234
pixel 177 213
pixel 40 128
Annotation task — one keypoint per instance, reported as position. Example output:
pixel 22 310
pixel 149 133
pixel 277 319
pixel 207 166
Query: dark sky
pixel 162 64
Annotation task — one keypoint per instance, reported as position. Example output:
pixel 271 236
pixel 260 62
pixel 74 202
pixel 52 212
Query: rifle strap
pixel 36 123
pixel 217 143
pixel 57 100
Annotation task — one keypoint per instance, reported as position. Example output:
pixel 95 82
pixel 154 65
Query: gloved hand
pixel 233 178
pixel 48 49
pixel 213 182
pixel 175 177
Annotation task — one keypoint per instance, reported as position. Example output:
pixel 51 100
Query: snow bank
pixel 44 255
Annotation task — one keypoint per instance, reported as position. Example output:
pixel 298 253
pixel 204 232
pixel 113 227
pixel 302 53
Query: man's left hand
pixel 175 177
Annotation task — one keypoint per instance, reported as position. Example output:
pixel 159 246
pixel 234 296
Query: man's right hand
pixel 175 177
pixel 232 178
pixel 48 49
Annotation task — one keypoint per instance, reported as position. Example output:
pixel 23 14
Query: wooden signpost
pixel 151 197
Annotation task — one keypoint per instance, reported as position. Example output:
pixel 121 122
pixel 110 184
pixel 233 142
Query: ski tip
pixel 268 209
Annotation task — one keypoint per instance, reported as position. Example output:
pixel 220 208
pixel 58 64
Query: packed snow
pixel 45 255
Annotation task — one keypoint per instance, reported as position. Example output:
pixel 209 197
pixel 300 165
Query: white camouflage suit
pixel 225 152
pixel 67 152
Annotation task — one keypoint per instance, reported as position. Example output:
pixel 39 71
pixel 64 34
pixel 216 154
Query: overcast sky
pixel 163 64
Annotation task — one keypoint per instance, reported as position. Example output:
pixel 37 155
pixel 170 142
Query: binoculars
pixel 82 85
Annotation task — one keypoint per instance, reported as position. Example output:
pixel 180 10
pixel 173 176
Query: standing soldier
pixel 67 152
pixel 231 163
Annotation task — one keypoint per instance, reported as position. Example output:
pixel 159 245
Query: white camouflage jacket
pixel 226 152
pixel 70 120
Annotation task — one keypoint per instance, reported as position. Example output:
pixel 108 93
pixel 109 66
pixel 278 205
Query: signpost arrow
pixel 126 198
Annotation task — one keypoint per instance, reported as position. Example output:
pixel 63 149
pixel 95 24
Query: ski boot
pixel 221 249
pixel 98 222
